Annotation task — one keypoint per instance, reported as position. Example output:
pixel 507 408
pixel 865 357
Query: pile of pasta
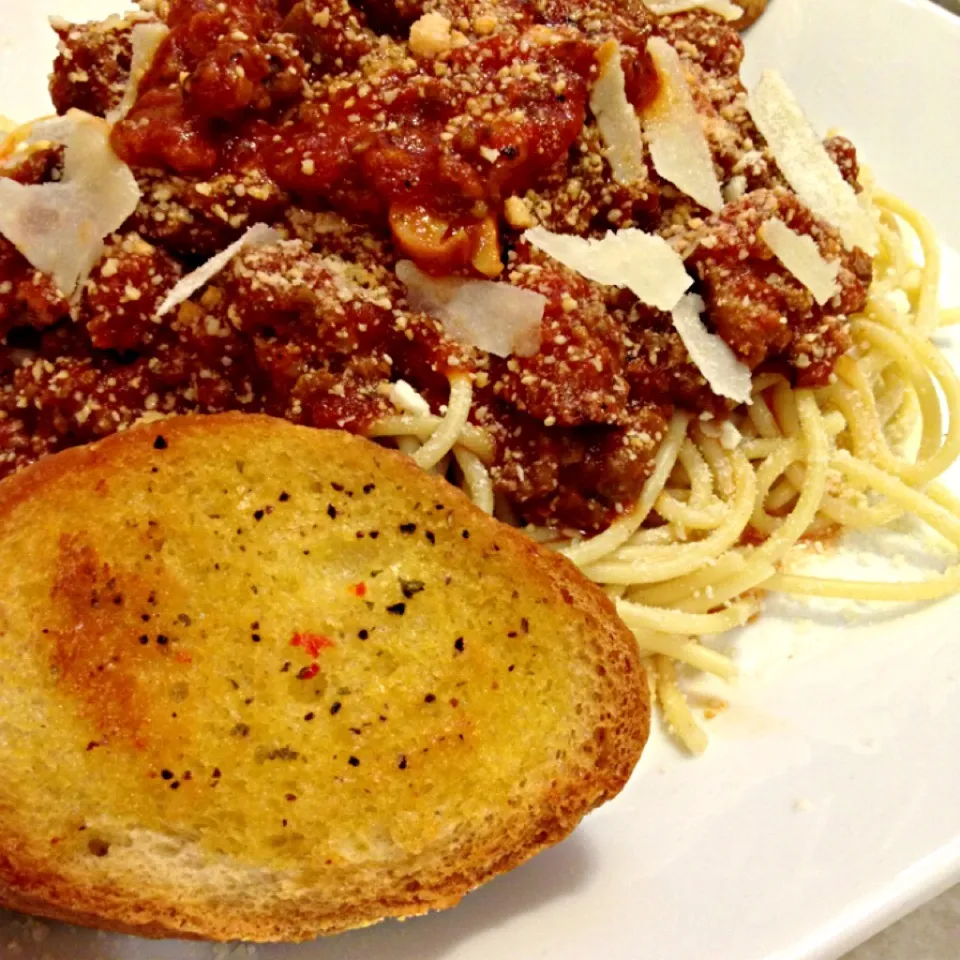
pixel 728 503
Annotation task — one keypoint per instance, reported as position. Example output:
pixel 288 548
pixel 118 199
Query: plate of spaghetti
pixel 686 318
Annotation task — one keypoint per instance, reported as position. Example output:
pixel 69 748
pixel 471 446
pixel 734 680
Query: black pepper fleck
pixel 458 644
pixel 331 511
pixel 166 774
pixel 398 608
pixel 284 497
pixel 429 698
pixel 159 443
pixel 363 634
pixel 408 528
pixel 353 761
pixel 335 708
pixel 403 763
pixel 410 588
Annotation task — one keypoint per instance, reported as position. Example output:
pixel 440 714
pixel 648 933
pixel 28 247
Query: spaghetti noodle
pixel 857 454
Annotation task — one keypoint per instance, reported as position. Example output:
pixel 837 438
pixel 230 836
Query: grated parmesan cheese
pixel 642 262
pixel 431 35
pixel 723 8
pixel 725 374
pixel 405 398
pixel 617 121
pixel 805 163
pixel 60 227
pixel 494 316
pixel 801 256
pixel 259 235
pixel 145 39
pixel 675 134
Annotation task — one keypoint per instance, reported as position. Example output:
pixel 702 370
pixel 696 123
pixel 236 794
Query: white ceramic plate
pixel 828 803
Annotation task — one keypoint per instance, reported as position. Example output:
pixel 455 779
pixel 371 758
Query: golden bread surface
pixel 260 681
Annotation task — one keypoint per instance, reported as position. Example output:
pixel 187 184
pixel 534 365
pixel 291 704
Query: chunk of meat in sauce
pixel 844 154
pixel 579 195
pixel 332 38
pixel 200 217
pixel 576 377
pixel 581 479
pixel 92 65
pixel 657 366
pixel 215 65
pixel 761 310
pixel 123 293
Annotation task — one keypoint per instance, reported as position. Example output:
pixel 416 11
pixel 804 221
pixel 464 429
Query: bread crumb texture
pixel 263 682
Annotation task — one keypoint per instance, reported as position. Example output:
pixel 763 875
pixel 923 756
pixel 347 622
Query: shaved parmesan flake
pixel 725 374
pixel 494 316
pixel 801 256
pixel 642 262
pixel 60 227
pixel 259 235
pixel 723 8
pixel 674 131
pixel 617 121
pixel 405 398
pixel 145 39
pixel 805 163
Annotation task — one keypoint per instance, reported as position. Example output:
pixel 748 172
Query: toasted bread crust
pixel 752 11
pixel 31 884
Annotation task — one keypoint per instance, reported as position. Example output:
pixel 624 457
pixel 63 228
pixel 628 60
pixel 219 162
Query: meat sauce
pixel 371 133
